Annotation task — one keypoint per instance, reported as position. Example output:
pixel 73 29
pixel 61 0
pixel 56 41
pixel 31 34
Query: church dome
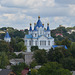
pixel 39 24
pixel 7 35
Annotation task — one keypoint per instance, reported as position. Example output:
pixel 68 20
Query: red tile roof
pixel 25 71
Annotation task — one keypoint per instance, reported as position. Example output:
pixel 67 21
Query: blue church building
pixel 39 36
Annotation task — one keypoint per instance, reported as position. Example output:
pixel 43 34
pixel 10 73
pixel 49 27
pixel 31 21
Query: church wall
pixel 35 32
pixel 7 39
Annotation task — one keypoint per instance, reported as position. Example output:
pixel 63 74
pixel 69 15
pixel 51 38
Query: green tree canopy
pixel 18 68
pixel 57 54
pixel 40 56
pixel 68 63
pixel 73 49
pixel 4 46
pixel 3 60
pixel 53 68
pixel 34 48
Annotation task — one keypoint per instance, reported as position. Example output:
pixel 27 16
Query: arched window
pixel 42 43
pixel 29 42
pixel 48 42
pixel 35 35
pixel 48 35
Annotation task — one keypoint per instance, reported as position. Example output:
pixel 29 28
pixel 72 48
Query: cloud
pixel 27 3
pixel 19 13
pixel 72 10
pixel 65 1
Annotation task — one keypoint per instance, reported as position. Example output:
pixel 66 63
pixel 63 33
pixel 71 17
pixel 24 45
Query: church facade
pixel 40 37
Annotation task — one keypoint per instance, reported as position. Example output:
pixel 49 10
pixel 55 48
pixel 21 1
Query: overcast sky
pixel 20 13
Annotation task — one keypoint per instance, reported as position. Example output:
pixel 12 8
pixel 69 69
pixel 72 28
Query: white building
pixel 7 38
pixel 39 37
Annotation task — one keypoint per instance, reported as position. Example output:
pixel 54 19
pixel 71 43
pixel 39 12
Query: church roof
pixel 28 36
pixel 48 28
pixel 54 46
pixel 39 24
pixel 31 37
pixel 7 35
pixel 30 28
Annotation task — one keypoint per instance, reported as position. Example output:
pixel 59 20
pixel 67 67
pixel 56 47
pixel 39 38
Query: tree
pixel 53 68
pixel 3 60
pixel 40 56
pixel 33 64
pixel 34 72
pixel 33 48
pixel 4 46
pixel 19 68
pixel 17 44
pixel 13 44
pixel 57 54
pixel 66 42
pixel 21 55
pixel 73 49
pixel 20 46
pixel 68 63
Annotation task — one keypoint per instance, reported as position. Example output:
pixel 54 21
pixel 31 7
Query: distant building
pixel 61 26
pixel 71 31
pixel 16 61
pixel 39 37
pixel 2 32
pixel 7 38
pixel 59 34
pixel 6 72
pixel 25 71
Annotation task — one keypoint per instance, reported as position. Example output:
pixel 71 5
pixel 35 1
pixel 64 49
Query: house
pixel 59 34
pixel 39 36
pixel 7 72
pixel 1 32
pixel 71 31
pixel 16 61
pixel 25 71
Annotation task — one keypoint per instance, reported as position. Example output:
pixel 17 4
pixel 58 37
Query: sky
pixel 20 13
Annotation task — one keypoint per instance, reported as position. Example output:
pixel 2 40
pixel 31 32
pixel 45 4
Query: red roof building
pixel 25 71
pixel 59 34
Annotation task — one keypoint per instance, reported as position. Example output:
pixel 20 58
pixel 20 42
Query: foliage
pixel 4 46
pixel 53 68
pixel 73 49
pixel 34 72
pixel 40 56
pixel 63 31
pixel 34 48
pixel 57 54
pixel 18 68
pixel 11 55
pixel 68 63
pixel 3 60
pixel 72 37
pixel 21 55
pixel 17 44
pixel 33 64
pixel 20 47
pixel 26 31
pixel 64 42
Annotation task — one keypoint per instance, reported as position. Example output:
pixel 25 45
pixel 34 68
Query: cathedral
pixel 39 36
